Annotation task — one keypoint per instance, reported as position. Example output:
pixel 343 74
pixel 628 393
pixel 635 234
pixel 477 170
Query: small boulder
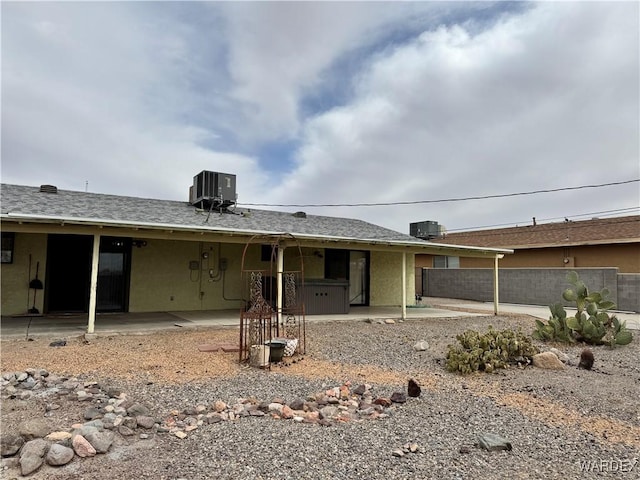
pixel 137 409
pixel 287 412
pixel 398 397
pixel 421 346
pixel 59 436
pixel 92 413
pixel 59 455
pixel 413 389
pixel 297 404
pixel 492 442
pixel 32 455
pixel 10 444
pixel 145 421
pixel 100 441
pixel 82 447
pixel 328 412
pixel 547 361
pixel 384 402
pixel 125 431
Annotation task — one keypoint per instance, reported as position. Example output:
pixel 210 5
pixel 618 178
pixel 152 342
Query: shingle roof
pixel 584 232
pixel 18 200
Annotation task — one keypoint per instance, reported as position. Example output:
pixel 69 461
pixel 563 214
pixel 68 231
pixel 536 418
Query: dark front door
pixel 68 273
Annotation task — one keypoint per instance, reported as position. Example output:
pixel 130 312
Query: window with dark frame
pixel 8 241
pixel 443 261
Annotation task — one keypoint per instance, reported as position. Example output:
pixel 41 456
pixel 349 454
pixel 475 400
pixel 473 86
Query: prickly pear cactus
pixel 591 323
pixel 489 351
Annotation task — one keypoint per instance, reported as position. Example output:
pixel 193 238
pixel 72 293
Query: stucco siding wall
pixel 160 272
pixel 162 280
pixel 17 299
pixel 625 257
pixel 386 286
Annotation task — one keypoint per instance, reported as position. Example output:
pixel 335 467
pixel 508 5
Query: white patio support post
pixel 404 285
pixel 279 283
pixel 93 291
pixel 495 283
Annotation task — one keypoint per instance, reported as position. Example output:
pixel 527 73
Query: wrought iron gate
pixel 261 321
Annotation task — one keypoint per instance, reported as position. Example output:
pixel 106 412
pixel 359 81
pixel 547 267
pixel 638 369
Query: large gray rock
pixel 97 424
pixel 130 422
pixel 10 443
pixel 297 404
pixel 137 409
pixel 493 442
pixel 32 455
pixel 398 397
pixel 547 361
pixel 125 431
pixel 328 412
pixel 101 441
pixel 59 455
pixel 92 413
pixel 145 421
pixel 109 420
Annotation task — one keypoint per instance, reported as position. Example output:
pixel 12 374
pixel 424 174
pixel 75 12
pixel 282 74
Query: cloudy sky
pixel 331 103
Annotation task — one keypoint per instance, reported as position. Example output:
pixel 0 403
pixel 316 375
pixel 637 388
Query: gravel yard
pixel 558 422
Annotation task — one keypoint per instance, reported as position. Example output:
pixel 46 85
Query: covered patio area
pixel 143 323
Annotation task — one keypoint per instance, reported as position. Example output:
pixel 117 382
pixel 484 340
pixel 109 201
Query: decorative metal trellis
pixel 260 319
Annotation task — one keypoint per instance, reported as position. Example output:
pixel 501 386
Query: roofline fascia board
pixel 417 246
pixel 576 244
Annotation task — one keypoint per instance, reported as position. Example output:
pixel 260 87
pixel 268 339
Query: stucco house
pixel 604 251
pixel 599 242
pixel 94 253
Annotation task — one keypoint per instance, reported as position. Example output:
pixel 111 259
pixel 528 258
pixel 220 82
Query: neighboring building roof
pixel 596 231
pixel 30 204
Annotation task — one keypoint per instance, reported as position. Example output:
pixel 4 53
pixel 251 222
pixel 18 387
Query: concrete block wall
pixel 533 286
pixel 464 283
pixel 629 292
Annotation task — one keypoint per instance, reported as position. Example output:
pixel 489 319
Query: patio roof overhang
pixel 29 223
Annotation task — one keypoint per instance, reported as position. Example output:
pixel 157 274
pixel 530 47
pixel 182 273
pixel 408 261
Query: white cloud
pixel 280 51
pixel 93 93
pixel 408 101
pixel 543 99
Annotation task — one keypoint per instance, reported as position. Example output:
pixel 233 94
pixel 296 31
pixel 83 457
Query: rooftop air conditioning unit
pixel 213 190
pixel 425 230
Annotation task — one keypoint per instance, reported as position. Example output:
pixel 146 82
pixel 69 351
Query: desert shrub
pixel 489 351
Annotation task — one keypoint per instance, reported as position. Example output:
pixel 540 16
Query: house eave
pixel 418 246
